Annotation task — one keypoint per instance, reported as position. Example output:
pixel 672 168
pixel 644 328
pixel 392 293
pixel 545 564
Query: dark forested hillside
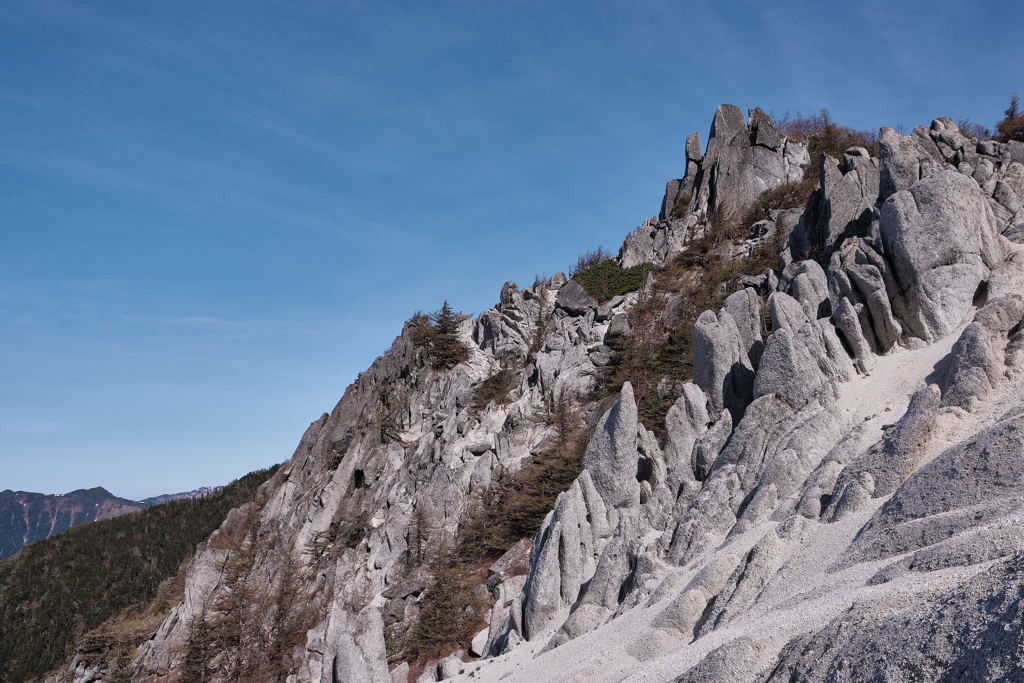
pixel 55 590
pixel 26 517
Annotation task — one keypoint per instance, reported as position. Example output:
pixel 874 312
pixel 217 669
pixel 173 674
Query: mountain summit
pixel 779 436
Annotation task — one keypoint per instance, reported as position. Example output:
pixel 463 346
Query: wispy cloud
pixel 202 324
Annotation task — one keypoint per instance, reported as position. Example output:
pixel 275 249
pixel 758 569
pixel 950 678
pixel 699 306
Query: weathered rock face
pixel 969 632
pixel 817 493
pixel 841 207
pixel 989 349
pixel 744 157
pixel 941 237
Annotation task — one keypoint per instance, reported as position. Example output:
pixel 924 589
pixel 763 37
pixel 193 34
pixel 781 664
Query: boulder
pixel 847 323
pixel 574 300
pixel 977 363
pixel 744 306
pixel 611 455
pixel 685 421
pixel 803 365
pixel 721 366
pixel 905 159
pixel 940 235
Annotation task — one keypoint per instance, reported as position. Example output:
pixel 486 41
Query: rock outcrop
pixel 847 484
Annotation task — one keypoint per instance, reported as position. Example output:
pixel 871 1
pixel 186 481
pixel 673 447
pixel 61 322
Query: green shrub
pixel 438 335
pixel 660 348
pixel 606 279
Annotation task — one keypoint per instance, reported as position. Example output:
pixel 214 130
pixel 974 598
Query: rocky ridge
pixel 854 472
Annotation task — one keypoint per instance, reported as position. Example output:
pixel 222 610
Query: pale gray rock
pixel 847 324
pixel 941 237
pixel 685 421
pixel 890 461
pixel 884 325
pixel 618 329
pixel 400 674
pixel 721 367
pixel 567 547
pixel 478 646
pixel 737 660
pixel 513 562
pixel 358 642
pixel 993 540
pixel 1013 152
pixel 803 365
pixel 709 445
pixel 202 577
pixel 604 590
pixel 810 288
pixel 977 363
pixel 972 630
pixel 786 312
pixel 611 455
pixel 574 300
pixel 1013 176
pixel 450 666
pixel 742 161
pixel 744 307
pixel 1006 197
pixel 769 427
pixel 983 171
pixel 683 613
pixel 751 575
pixel 842 205
pixel 1015 233
pixel 905 159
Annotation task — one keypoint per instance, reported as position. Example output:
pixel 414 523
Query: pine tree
pixel 287 622
pixel 446 349
pixel 197 650
pixel 236 623
pixel 1011 127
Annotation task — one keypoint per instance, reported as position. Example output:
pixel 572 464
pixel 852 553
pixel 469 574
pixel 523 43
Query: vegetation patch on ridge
pixel 604 279
pixel 510 509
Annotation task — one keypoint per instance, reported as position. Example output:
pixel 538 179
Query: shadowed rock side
pixel 852 473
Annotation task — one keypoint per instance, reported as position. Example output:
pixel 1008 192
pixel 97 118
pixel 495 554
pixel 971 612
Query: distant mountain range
pixel 195 493
pixel 26 517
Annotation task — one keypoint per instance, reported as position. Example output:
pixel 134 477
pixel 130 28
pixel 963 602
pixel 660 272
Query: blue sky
pixel 214 215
